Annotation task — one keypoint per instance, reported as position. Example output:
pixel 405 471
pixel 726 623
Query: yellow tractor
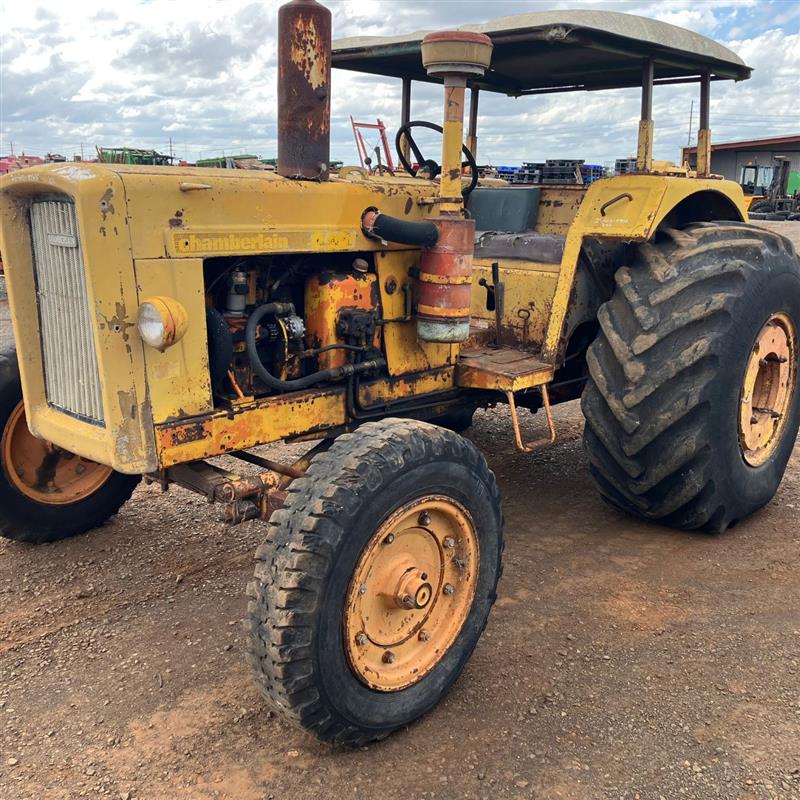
pixel 167 316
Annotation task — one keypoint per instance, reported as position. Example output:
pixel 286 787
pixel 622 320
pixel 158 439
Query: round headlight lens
pixel 151 326
pixel 161 322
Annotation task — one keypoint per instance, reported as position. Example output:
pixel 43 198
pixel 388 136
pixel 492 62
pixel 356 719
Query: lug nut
pixel 362 589
pixel 424 636
pixel 361 638
pixel 389 539
pixel 449 588
pixel 388 657
pixel 424 518
pixel 450 542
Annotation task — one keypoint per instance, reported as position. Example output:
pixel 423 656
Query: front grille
pixel 72 379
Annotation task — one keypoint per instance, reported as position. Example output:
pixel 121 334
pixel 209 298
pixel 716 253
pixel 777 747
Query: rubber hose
pixel 305 382
pixel 402 231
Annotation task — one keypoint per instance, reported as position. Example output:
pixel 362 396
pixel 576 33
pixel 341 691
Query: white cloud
pixel 203 73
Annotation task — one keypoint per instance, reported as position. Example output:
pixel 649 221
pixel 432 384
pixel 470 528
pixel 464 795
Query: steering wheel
pixel 432 166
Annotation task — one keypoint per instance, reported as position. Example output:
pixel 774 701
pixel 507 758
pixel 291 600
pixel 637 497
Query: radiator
pixel 72 379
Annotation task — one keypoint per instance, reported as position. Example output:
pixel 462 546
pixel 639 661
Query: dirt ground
pixel 622 660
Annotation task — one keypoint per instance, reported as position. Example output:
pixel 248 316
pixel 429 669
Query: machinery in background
pixel 382 152
pixel 772 202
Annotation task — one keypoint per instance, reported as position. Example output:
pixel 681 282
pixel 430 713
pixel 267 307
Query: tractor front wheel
pixel 692 406
pixel 376 580
pixel 46 492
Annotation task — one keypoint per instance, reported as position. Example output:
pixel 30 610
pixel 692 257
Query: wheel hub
pixel 768 389
pixel 411 593
pixel 45 473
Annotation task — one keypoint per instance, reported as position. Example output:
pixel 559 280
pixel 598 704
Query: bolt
pixel 754 420
pixel 449 588
pixel 424 576
pixel 424 636
pixel 361 638
pixel 424 518
pixel 389 539
pixel 450 542
pixel 360 265
pixel 391 286
pixel 80 469
pixel 388 657
pixel 362 589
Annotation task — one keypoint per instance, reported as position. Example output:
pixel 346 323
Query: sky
pixel 203 75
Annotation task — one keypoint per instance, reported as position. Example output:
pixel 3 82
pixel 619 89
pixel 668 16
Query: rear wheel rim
pixel 43 472
pixel 411 593
pixel 768 390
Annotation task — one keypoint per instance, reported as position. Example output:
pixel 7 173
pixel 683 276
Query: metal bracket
pixel 537 444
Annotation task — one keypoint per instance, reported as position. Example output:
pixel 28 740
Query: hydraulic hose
pixel 401 231
pixel 307 381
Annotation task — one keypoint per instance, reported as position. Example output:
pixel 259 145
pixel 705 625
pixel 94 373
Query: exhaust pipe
pixel 304 83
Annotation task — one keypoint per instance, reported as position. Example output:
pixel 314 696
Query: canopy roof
pixel 552 51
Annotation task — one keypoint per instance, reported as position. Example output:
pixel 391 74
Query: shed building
pixel 730 158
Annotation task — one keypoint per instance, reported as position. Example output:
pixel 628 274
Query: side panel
pixel 178 379
pixel 405 352
pixel 529 290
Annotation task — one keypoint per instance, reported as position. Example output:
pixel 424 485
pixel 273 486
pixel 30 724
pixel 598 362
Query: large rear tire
pixel 47 493
pixel 692 406
pixel 376 580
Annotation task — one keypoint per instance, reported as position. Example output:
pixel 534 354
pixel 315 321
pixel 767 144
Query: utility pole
pixel 171 154
pixel 691 117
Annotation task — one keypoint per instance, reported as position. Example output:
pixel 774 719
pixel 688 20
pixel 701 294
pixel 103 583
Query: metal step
pixel 504 369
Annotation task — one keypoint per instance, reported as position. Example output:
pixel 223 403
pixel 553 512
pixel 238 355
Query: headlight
pixel 161 322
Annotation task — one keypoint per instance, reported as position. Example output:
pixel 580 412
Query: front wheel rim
pixel 411 593
pixel 768 389
pixel 43 472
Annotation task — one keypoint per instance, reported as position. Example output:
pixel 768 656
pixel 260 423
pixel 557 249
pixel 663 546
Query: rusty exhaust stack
pixel 304 82
pixel 445 274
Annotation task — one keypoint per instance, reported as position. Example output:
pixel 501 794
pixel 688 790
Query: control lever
pixel 495 300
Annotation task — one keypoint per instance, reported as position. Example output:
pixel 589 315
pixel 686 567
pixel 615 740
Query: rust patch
pixel 106 206
pixel 184 433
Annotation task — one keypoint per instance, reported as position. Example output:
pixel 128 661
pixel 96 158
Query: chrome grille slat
pixel 72 378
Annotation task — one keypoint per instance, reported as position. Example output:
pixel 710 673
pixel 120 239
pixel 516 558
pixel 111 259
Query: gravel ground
pixel 622 660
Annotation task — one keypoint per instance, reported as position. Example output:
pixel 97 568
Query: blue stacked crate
pixel 591 172
pixel 507 173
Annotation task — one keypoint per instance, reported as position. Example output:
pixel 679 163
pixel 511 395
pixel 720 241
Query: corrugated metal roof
pixel 547 51
pixel 752 144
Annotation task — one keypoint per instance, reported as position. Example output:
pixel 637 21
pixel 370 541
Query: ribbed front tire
pixel 664 399
pixel 331 650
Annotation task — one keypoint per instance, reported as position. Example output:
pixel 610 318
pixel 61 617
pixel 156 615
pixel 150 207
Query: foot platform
pixel 508 371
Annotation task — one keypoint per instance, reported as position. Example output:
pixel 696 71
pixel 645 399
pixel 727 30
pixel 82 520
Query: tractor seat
pixel 543 248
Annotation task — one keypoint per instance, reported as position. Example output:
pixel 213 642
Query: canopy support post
pixel 405 115
pixel 472 132
pixel 704 131
pixel 644 147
